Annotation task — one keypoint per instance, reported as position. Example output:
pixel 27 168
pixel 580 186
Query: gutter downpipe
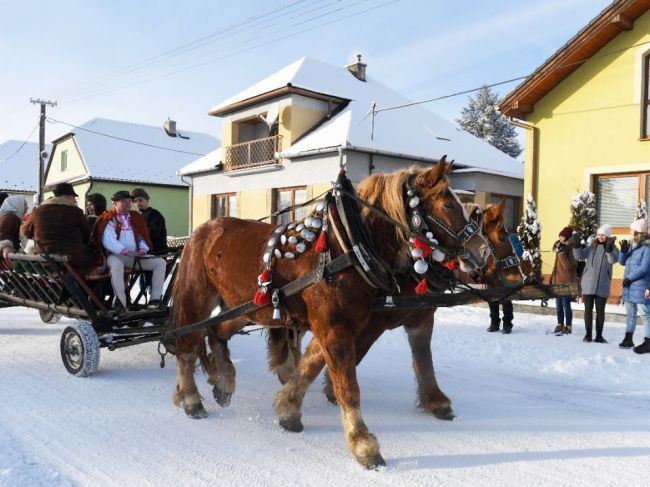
pixel 190 209
pixel 533 149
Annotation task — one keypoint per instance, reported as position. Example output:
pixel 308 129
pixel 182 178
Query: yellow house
pixel 284 138
pixel 586 113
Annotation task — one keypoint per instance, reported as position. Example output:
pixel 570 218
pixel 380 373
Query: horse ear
pixel 431 177
pixel 449 167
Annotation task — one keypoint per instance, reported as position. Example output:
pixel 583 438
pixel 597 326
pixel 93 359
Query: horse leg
pixel 288 402
pixel 339 351
pixel 430 398
pixel 220 369
pixel 188 348
pixel 284 351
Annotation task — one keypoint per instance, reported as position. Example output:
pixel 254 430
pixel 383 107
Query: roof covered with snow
pixel 19 166
pixel 414 131
pixel 140 153
pixel 208 162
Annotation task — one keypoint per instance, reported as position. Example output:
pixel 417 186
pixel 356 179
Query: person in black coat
pixel 95 206
pixel 154 220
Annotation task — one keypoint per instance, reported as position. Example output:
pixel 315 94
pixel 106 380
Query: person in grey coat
pixel 635 256
pixel 596 281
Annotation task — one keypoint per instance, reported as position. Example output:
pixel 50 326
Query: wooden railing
pixel 259 152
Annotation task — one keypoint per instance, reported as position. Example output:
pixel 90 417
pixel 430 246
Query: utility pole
pixel 41 144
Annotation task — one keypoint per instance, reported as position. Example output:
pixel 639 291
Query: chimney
pixel 170 127
pixel 358 69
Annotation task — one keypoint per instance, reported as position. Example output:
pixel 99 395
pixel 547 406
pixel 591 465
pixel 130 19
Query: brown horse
pixel 221 262
pixel 419 328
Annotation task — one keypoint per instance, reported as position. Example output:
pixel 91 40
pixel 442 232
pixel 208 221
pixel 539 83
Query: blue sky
pixel 420 48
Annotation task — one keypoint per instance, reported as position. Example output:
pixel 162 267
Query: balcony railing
pixel 258 152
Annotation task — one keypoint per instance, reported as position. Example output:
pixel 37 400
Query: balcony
pixel 255 153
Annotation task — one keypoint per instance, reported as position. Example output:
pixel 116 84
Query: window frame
pixel 64 160
pixel 645 93
pixel 213 204
pixel 641 194
pixel 292 189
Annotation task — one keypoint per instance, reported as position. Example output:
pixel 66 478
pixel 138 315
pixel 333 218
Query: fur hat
pixel 64 189
pixel 605 229
pixel 566 232
pixel 640 225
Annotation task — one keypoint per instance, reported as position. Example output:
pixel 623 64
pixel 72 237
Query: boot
pixel 599 339
pixel 507 328
pixel 567 330
pixel 627 341
pixel 587 337
pixel 559 330
pixel 493 327
pixel 644 347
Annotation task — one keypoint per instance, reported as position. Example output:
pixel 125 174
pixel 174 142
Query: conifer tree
pixel 481 118
pixel 530 233
pixel 583 215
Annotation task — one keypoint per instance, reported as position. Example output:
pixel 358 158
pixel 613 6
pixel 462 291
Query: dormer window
pixel 64 160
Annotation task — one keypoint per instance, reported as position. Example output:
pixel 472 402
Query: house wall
pixel 589 124
pixel 171 202
pixel 76 169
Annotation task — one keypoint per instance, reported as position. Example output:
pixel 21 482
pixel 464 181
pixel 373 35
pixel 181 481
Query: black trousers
pixel 590 300
pixel 507 314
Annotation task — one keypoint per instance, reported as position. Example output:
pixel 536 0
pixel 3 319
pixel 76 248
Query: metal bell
pixel 320 206
pixel 289 255
pixel 316 223
pixel 420 266
pixel 413 202
pixel 416 253
pixel 271 242
pixel 283 239
pixel 277 253
pixel 292 240
pixel 437 255
pixel 300 227
pixel 267 257
pixel 301 247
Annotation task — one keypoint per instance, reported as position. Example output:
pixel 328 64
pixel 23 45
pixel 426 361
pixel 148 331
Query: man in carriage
pixel 123 235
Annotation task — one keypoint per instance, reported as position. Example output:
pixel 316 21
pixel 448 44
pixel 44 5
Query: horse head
pixel 447 218
pixel 503 265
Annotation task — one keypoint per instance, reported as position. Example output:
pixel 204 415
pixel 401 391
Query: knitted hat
pixel 566 232
pixel 605 229
pixel 640 225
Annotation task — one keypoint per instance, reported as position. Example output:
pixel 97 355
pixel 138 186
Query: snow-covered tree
pixel 530 234
pixel 583 215
pixel 481 118
pixel 642 210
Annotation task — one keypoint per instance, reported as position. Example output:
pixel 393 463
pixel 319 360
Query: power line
pixel 21 145
pixel 52 120
pixel 264 44
pixel 190 46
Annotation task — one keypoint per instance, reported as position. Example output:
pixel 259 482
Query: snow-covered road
pixel 533 409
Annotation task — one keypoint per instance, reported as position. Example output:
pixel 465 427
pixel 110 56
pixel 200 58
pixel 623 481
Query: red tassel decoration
pixel 265 276
pixel 422 287
pixel 321 243
pixel 450 264
pixel 426 250
pixel 262 298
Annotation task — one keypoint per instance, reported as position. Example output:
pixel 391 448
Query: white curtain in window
pixel 617 200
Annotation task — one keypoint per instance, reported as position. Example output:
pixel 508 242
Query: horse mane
pixel 386 192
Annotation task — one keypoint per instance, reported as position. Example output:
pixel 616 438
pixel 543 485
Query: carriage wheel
pixel 49 316
pixel 80 349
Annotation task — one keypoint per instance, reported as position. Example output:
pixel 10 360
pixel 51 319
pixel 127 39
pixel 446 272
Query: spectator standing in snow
pixel 508 314
pixel 635 256
pixel 599 256
pixel 564 272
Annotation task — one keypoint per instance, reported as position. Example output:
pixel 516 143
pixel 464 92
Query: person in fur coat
pixel 12 212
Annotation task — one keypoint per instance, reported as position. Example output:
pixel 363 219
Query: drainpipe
pixel 191 194
pixel 533 149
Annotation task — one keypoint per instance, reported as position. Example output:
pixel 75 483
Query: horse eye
pixel 449 205
pixel 502 238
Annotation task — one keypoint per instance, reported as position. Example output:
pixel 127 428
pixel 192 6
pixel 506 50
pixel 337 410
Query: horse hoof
pixel 197 411
pixel 222 397
pixel 293 424
pixel 372 462
pixel 445 413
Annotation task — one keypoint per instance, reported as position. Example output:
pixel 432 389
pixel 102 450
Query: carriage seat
pixel 94 275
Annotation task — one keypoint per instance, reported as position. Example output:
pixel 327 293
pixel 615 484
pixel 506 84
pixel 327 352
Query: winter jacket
pixel 516 244
pixel 60 227
pixel 157 230
pixel 597 275
pixel 565 267
pixel 637 270
pixel 9 231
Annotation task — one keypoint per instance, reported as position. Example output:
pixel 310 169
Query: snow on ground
pixel 533 409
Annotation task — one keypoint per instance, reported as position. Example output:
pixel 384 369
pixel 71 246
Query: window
pixel 224 205
pixel 511 214
pixel 64 160
pixel 287 197
pixel 617 197
pixel 645 99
